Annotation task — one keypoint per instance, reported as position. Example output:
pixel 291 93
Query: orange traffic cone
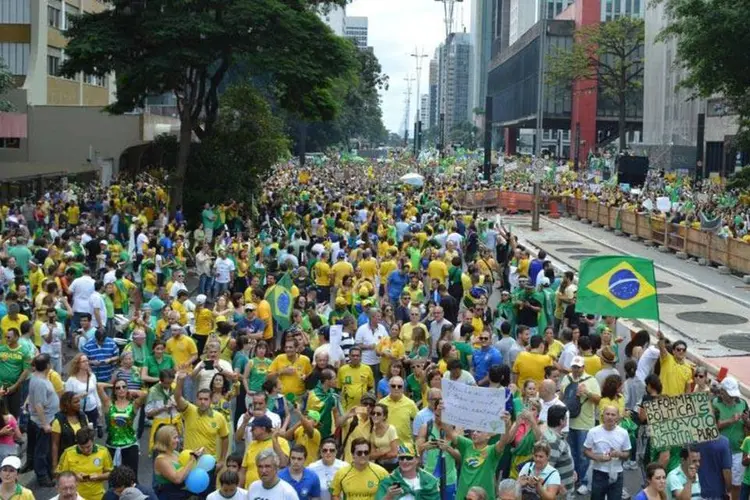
pixel 553 211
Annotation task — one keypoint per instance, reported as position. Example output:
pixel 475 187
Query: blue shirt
pixel 397 280
pixel 535 266
pixel 307 487
pixel 716 456
pixel 95 352
pixel 383 387
pixel 482 361
pixel 255 325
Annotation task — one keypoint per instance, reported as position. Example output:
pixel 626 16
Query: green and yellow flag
pixel 614 285
pixel 280 299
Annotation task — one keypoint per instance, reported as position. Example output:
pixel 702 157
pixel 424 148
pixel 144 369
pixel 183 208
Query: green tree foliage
pixel 464 134
pixel 6 84
pixel 607 57
pixel 186 48
pixel 740 180
pixel 712 39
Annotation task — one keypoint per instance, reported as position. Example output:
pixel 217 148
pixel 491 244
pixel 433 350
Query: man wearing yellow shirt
pixel 355 379
pixel 263 311
pixel 12 320
pixel 321 275
pixel 675 375
pixel 436 269
pixel 204 322
pixel 292 369
pixel 73 213
pixel 361 478
pixel 387 267
pixel 178 304
pixel 204 427
pixel 90 461
pixel 368 266
pixel 401 409
pixel 264 437
pixel 530 365
pixel 182 348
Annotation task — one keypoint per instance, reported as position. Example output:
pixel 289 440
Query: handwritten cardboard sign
pixel 681 420
pixel 473 408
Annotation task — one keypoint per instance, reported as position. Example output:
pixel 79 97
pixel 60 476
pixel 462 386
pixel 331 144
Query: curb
pixel 674 273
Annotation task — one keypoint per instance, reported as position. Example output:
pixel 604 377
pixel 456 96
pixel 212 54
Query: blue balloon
pixel 197 481
pixel 206 462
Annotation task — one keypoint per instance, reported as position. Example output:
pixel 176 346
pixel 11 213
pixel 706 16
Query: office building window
pixel 53 16
pixel 53 65
pixel 10 143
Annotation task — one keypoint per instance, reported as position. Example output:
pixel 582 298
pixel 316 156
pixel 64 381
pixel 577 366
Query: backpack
pixel 571 399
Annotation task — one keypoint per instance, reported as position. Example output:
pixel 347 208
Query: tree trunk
pixel 621 125
pixel 302 143
pixel 177 186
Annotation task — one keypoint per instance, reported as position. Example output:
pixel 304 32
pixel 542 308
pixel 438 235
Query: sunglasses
pixel 484 338
pixel 405 458
pixel 361 453
pixel 700 375
pixel 397 386
pixel 680 349
pixel 328 450
pixel 121 387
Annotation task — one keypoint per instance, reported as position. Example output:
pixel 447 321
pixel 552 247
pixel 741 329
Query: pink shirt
pixel 13 423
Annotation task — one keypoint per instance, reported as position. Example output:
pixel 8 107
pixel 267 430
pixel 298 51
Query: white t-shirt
pixel 140 242
pixel 325 474
pixel 91 400
pixel 281 491
pixel 205 376
pixel 97 302
pixel 81 290
pixel 465 377
pixel 275 422
pixel 600 441
pixel 366 335
pixel 54 348
pixel 223 268
pixel 176 287
pixel 570 351
pixel 546 405
pixel 646 363
pixel 240 494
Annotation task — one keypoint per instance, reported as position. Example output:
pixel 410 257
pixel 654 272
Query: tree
pixel 186 48
pixel 607 57
pixel 465 134
pixel 6 84
pixel 712 37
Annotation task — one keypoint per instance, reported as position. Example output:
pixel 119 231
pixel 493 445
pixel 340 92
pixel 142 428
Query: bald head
pixel 547 389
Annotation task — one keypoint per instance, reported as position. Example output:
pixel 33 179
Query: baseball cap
pixel 578 361
pixel 11 461
pixel 314 415
pixel 250 307
pixel 132 493
pixel 729 384
pixel 200 299
pixel 341 255
pixel 340 301
pixel 262 421
pixel 407 450
pixel 103 242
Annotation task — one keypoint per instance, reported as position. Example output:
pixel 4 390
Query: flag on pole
pixel 615 285
pixel 280 299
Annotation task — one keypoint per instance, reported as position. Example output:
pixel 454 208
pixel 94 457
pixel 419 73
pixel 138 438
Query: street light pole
pixel 418 56
pixel 538 162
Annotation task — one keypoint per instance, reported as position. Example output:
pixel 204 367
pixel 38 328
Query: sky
pixel 397 28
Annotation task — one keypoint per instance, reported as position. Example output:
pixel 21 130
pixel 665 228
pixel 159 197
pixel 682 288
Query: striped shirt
pixel 96 352
pixel 561 459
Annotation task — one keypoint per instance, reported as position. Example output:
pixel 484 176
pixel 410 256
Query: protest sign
pixel 473 408
pixel 681 420
pixel 663 204
pixel 336 332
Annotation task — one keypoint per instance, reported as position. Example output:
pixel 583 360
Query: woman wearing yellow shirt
pixel 390 349
pixel 612 395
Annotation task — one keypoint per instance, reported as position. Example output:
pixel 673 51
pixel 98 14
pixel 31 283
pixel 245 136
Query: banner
pixel 473 408
pixel 681 420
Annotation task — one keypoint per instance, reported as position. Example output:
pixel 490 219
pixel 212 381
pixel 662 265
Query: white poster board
pixel 663 204
pixel 473 408
pixel 335 332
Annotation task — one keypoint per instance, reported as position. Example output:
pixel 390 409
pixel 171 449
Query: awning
pixel 13 125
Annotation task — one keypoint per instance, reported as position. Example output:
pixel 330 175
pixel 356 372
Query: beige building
pixel 59 126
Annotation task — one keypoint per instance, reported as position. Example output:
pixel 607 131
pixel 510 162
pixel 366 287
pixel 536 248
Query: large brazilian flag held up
pixel 614 285
pixel 280 299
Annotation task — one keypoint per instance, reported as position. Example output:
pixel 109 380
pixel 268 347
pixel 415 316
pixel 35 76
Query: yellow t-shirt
pixel 369 268
pixel 7 323
pixel 311 443
pixel 389 346
pixel 555 349
pixel 98 462
pixel 407 335
pixel 181 349
pixel 203 431
pixel 204 322
pixel 356 484
pixel 180 308
pixel 530 366
pixel 322 273
pixel 248 461
pixel 73 214
pixel 340 270
pixel 386 268
pixel 674 376
pixel 264 313
pixel 291 384
pixel 400 415
pixel 437 269
pixel 592 364
pixel 354 383
pixel 76 426
pixel 619 403
pixel 56 380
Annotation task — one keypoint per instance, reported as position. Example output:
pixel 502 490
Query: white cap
pixel 730 385
pixel 200 299
pixel 578 361
pixel 11 461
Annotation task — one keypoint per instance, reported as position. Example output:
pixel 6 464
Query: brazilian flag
pixel 613 285
pixel 280 299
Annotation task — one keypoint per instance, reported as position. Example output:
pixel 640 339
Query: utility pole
pixel 418 56
pixel 539 162
pixel 407 113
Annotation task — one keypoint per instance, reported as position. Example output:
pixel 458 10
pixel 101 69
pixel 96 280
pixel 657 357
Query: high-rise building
pixel 453 83
pixel 424 111
pixel 482 34
pixel 355 28
pixel 434 106
pixel 525 13
pixel 630 8
pixel 335 17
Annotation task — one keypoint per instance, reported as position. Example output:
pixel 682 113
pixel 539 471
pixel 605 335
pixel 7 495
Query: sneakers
pixel 583 490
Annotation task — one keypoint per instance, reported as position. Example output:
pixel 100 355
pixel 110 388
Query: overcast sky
pixel 396 28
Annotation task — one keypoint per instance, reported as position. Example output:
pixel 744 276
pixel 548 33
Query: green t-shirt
pixel 22 254
pixel 464 351
pixel 258 373
pixel 109 306
pixel 239 362
pixel 477 467
pixel 153 367
pixel 734 433
pixel 746 449
pixel 207 218
pixel 120 429
pixel 431 458
pixel 12 363
pixel 414 387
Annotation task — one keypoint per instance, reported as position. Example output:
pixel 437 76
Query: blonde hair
pixel 75 364
pixel 163 439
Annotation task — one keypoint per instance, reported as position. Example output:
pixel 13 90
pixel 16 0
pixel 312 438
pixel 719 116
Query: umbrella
pixel 413 180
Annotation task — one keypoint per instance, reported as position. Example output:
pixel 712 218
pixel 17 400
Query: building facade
pixel 434 107
pixel 481 33
pixel 424 111
pixel 335 17
pixel 355 29
pixel 454 79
